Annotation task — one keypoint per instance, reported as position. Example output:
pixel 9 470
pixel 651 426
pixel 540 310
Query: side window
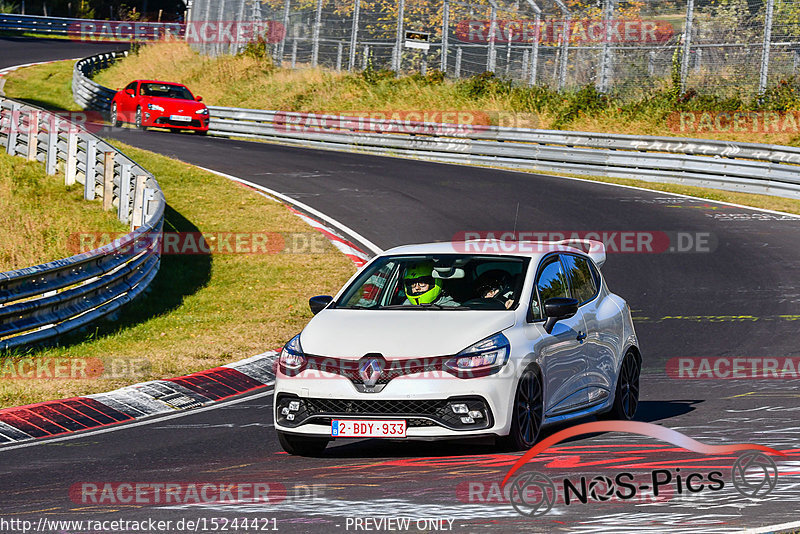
pixel 552 282
pixel 131 85
pixel 581 278
pixel 376 288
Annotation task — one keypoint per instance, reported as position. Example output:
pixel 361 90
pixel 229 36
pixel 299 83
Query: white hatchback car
pixel 460 339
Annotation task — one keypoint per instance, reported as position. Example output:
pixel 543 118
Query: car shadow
pixel 648 412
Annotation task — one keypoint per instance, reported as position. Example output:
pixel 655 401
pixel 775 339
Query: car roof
pixel 595 250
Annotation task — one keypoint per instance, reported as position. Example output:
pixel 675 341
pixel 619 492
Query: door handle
pixel 581 336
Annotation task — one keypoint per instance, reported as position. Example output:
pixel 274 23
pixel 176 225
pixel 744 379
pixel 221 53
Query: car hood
pixel 173 103
pixel 397 334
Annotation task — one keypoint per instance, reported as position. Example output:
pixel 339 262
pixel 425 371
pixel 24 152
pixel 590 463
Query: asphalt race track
pixel 739 300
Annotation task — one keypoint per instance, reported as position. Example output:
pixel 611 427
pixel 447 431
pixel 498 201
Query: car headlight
pixel 483 358
pixel 203 111
pixel 154 107
pixel 292 360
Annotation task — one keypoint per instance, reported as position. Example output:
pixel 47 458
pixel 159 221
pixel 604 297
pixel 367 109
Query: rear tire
pixel 526 421
pixel 115 122
pixel 626 397
pixel 301 445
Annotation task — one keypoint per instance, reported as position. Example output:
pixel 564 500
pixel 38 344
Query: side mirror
pixel 129 92
pixel 319 303
pixel 199 98
pixel 557 309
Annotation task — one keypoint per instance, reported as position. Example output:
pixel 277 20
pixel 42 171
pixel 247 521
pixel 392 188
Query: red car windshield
pixel 164 90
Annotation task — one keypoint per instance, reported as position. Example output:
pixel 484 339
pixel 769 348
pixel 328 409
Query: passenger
pixel 422 288
pixel 496 284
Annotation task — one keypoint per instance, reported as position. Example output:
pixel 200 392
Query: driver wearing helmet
pixel 495 284
pixel 422 288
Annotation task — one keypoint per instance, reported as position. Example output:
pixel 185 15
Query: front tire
pixel 626 398
pixel 139 118
pixel 528 413
pixel 115 122
pixel 301 445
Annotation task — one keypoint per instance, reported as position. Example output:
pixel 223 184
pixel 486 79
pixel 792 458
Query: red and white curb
pixel 54 418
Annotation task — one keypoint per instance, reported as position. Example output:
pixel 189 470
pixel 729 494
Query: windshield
pixel 440 282
pixel 165 90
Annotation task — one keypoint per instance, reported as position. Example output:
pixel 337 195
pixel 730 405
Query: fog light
pixel 476 414
pixel 467 420
pixel 459 408
pixel 290 417
pixel 294 406
pixel 284 411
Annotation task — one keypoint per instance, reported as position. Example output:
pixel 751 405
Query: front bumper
pixel 163 121
pixel 424 403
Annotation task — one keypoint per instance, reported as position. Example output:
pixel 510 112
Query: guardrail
pixel 743 167
pixel 41 302
pixel 90 29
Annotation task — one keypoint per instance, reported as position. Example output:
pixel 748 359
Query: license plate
pixel 368 428
pixel 180 118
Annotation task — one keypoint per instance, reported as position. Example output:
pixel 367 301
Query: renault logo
pixel 370 369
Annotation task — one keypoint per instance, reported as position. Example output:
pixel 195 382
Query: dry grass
pixel 38 213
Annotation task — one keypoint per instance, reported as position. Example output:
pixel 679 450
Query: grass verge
pixel 38 213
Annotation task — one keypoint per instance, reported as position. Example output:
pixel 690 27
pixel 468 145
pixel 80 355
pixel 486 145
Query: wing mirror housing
pixel 129 92
pixel 557 309
pixel 199 98
pixel 319 303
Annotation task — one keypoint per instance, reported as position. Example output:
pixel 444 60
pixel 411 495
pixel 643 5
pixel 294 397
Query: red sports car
pixel 151 103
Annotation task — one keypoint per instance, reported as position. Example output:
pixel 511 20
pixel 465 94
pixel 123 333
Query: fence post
pixel 687 43
pixel 508 51
pixel 365 58
pixel 13 129
pixel 762 78
pixel 491 56
pixel 33 134
pixel 108 179
pixel 562 66
pixel 651 62
pixel 606 59
pixel 354 35
pixel 534 61
pixel 294 52
pixel 397 59
pixel 236 45
pixel 457 69
pixel 445 34
pixel 90 166
pixel 315 43
pixel 138 203
pixel 339 51
pixel 71 167
pixel 124 192
pixel 51 161
pixel 282 45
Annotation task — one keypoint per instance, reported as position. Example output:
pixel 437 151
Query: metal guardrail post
pixel 33 134
pixel 13 129
pixel 764 74
pixel 51 159
pixel 137 219
pixel 124 192
pixel 71 167
pixel 108 179
pixel 90 164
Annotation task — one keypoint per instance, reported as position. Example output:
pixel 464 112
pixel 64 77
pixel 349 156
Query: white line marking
pixel 772 528
pixel 333 222
pixel 122 426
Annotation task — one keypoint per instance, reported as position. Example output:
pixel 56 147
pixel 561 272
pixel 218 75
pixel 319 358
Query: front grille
pixel 432 408
pixel 168 122
pixel 392 370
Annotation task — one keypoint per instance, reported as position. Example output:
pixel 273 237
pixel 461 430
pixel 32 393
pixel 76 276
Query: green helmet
pixel 421 273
